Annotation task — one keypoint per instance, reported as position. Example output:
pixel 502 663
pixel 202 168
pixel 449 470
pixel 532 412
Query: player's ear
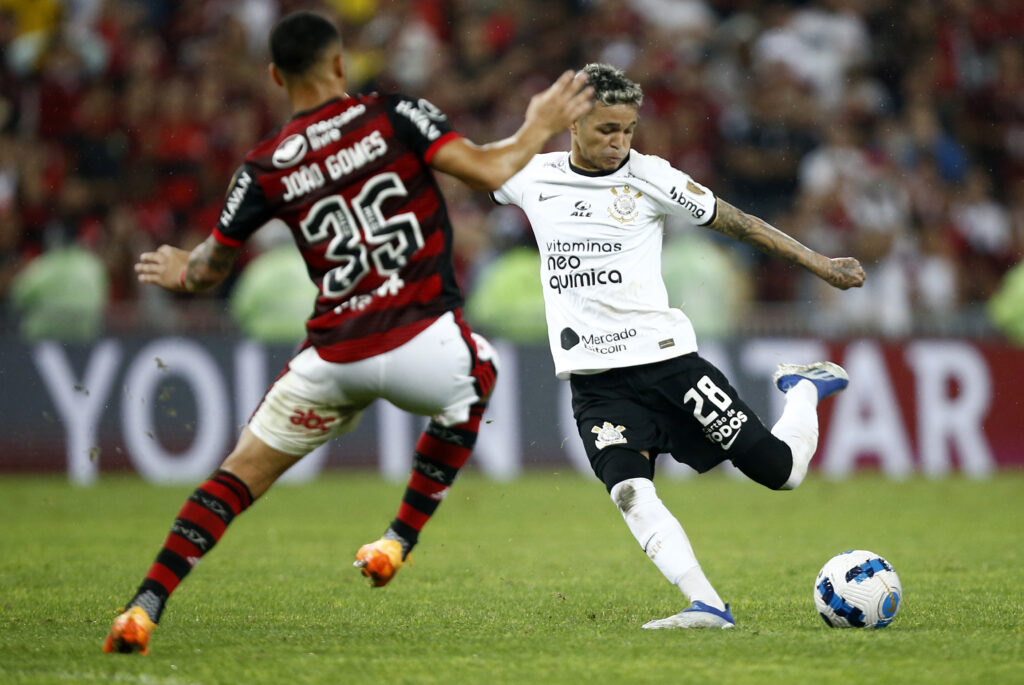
pixel 338 66
pixel 275 75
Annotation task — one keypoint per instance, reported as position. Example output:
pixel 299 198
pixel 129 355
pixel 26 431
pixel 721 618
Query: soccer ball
pixel 857 589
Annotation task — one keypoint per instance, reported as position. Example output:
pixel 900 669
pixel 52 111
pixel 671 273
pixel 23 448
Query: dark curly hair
pixel 611 87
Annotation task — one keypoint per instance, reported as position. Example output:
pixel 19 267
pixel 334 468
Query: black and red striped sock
pixel 198 527
pixel 440 453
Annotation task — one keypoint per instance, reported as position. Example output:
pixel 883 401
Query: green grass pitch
pixel 534 581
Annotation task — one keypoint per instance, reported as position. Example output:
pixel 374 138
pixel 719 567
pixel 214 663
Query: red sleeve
pixel 440 143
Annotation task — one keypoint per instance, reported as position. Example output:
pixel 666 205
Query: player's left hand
pixel 164 267
pixel 565 101
pixel 844 273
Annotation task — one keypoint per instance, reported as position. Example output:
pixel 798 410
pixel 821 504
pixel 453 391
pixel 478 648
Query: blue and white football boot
pixel 699 615
pixel 827 377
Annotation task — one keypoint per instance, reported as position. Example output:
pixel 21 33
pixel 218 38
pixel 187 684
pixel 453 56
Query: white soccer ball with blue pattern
pixel 857 589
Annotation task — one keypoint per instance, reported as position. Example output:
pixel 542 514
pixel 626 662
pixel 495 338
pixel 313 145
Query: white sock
pixel 663 539
pixel 798 428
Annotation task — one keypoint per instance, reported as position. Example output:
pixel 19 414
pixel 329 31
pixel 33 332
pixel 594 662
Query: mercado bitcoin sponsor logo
pixel 607 343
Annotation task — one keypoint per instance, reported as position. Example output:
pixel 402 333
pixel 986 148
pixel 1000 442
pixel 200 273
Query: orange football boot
pixel 379 561
pixel 130 632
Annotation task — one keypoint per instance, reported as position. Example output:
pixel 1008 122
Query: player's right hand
pixel 565 101
pixel 844 273
pixel 164 267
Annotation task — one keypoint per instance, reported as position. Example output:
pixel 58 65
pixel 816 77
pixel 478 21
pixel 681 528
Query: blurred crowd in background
pixel 888 130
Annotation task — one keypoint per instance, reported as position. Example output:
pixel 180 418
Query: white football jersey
pixel 599 235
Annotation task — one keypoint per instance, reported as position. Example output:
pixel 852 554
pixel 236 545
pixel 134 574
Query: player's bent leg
pixel 805 386
pixel 653 526
pixel 456 392
pixel 769 461
pixel 614 465
pixel 441 452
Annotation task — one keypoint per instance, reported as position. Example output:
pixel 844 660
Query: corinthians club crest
pixel 608 435
pixel 624 207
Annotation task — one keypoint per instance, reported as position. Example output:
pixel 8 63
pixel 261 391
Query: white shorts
pixel 316 400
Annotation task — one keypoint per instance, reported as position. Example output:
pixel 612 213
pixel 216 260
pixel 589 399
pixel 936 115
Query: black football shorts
pixel 683 406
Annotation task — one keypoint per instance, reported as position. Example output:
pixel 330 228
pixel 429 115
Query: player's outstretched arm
pixel 182 271
pixel 842 272
pixel 487 167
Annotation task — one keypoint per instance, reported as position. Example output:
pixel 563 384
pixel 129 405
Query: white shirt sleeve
pixel 674 191
pixel 512 192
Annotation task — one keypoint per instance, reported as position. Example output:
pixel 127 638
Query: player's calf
pixel 805 386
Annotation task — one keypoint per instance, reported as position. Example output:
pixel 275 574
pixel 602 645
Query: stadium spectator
pixel 981 227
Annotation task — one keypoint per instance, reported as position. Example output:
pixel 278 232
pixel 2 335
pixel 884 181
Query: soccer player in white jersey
pixel 639 387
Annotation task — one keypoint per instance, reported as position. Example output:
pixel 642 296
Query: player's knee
pixel 616 464
pixel 769 461
pixel 796 477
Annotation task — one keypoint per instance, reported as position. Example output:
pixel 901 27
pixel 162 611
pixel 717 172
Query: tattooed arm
pixel 842 272
pixel 182 271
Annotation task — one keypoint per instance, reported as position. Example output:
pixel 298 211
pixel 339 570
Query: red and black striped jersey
pixel 352 182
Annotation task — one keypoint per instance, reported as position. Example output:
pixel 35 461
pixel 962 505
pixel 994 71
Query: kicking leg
pixel 245 475
pixel 628 475
pixel 780 460
pixel 805 386
pixel 798 429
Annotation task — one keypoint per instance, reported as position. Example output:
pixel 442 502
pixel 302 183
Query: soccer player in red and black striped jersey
pixel 351 177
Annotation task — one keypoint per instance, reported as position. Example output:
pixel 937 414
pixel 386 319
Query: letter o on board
pixel 194 365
